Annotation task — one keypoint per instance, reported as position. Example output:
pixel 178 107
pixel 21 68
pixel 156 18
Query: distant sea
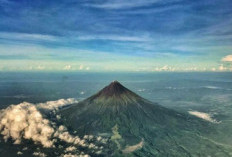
pixel 180 91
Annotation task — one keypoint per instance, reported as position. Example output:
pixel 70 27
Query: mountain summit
pixel 138 127
pixel 115 94
pixel 113 89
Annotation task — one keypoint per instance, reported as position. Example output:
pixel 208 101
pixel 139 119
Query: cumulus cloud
pixel 55 105
pixel 39 154
pixel 70 149
pixel 74 155
pixel 25 122
pixel 68 67
pixel 204 116
pixel 19 153
pixel 26 36
pixel 64 135
pixel 164 68
pixel 222 68
pixel 227 58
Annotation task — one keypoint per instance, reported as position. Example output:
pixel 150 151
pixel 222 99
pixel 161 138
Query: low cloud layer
pixel 204 116
pixel 55 105
pixel 25 122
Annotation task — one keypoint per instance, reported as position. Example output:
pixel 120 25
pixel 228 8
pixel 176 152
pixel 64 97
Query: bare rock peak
pixel 115 83
pixel 113 89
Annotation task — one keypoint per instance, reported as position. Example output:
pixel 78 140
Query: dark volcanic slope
pixel 114 89
pixel 115 94
pixel 137 127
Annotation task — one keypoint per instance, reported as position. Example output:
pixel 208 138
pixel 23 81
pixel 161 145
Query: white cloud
pixel 55 105
pixel 25 148
pixel 203 115
pixel 70 155
pixel 39 154
pixel 164 68
pixel 141 90
pixel 123 4
pixel 74 155
pixel 152 10
pixel 68 67
pixel 227 58
pixel 25 122
pixel 222 68
pixel 116 38
pixel 19 153
pixel 27 36
pixel 70 149
pixel 82 67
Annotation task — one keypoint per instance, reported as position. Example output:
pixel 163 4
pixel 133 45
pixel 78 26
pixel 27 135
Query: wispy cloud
pixel 111 34
pixel 116 38
pixel 123 4
pixel 4 2
pixel 153 11
pixel 26 36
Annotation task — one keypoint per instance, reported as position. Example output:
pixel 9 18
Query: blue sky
pixel 116 35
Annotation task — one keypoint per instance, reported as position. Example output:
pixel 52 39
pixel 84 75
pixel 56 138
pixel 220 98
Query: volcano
pixel 138 127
